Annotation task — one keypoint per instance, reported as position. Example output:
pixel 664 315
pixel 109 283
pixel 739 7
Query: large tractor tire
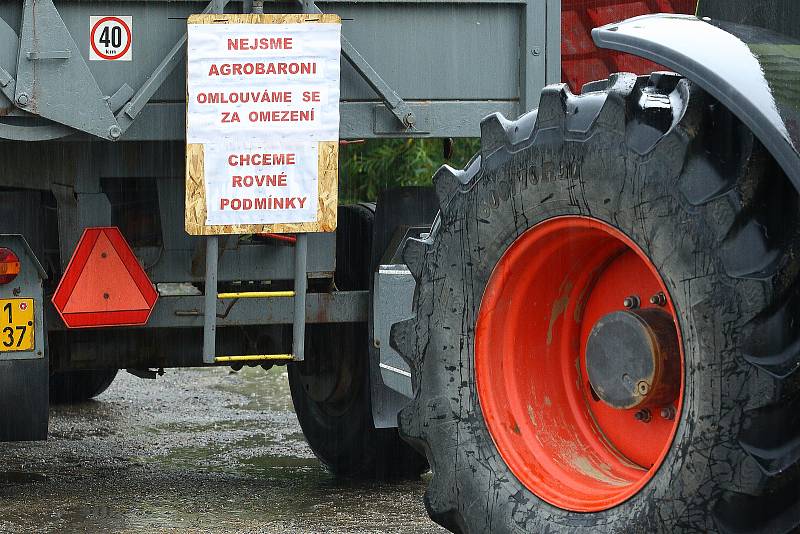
pixel 78 386
pixel 607 322
pixel 331 389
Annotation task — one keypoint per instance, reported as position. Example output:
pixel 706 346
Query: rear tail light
pixel 9 265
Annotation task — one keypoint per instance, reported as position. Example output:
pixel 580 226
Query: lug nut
pixel 659 299
pixel 668 413
pixel 643 388
pixel 643 415
pixel 631 302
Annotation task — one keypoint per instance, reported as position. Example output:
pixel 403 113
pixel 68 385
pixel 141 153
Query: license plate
pixel 16 325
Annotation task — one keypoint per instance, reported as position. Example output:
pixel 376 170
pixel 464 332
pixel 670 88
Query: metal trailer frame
pixel 128 114
pixel 96 138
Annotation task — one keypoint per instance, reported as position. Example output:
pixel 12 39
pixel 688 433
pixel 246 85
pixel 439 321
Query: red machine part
pixel 581 60
pixel 279 237
pixel 104 285
pixel 544 299
pixel 9 265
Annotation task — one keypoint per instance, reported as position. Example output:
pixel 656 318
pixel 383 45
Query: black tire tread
pixel 724 184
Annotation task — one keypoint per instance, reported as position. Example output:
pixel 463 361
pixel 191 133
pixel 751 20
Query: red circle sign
pixel 112 49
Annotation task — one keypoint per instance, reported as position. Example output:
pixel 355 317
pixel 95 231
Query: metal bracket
pixel 9 57
pixel 120 98
pixel 399 107
pixel 136 104
pixel 396 105
pixel 394 293
pixel 7 84
pixel 51 54
pixel 384 123
pixel 112 121
pixel 51 73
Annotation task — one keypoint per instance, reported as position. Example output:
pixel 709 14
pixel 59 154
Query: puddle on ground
pixel 21 477
pixel 198 449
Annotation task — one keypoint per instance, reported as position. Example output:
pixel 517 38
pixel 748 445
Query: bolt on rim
pixel 579 363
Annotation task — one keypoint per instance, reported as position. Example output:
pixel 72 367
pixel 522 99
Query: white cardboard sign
pixel 261 97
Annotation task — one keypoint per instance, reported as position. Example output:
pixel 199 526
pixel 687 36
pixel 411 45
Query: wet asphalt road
pixel 194 450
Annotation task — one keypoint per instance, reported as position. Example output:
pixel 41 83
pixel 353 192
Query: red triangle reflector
pixel 104 285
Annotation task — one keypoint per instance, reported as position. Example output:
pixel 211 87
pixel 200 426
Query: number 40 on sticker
pixel 110 38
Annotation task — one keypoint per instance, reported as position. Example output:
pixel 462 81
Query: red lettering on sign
pixel 262 203
pixel 262 43
pixel 244 97
pixel 228 117
pixel 260 180
pixel 242 160
pixel 281 116
pixel 238 69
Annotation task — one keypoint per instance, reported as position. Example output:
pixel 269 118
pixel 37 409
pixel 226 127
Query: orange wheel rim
pixel 561 281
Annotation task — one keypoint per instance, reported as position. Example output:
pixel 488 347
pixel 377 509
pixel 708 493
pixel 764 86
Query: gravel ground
pixel 194 450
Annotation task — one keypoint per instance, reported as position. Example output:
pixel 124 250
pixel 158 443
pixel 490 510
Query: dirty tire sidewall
pixel 595 174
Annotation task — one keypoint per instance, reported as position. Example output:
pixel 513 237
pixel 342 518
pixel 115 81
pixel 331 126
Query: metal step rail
pixel 212 296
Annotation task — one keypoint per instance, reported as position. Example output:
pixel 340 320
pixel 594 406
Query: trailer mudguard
pixel 752 71
pixel 24 375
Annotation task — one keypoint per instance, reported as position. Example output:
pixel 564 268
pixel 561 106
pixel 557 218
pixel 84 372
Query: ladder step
pixel 256 295
pixel 212 296
pixel 253 358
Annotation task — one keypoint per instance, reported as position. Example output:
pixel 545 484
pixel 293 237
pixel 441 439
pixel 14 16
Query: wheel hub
pixel 632 359
pixel 327 378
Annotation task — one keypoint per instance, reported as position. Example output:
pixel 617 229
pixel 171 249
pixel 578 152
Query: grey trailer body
pixel 97 143
pixel 447 63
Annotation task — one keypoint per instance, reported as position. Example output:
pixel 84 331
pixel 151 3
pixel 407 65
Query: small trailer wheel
pixel 331 388
pixel 77 386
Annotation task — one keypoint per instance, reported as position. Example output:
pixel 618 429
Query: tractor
pixel 607 306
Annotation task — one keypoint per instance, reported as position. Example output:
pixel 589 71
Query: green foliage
pixel 367 168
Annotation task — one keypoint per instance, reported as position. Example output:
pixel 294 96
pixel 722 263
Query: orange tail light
pixel 9 265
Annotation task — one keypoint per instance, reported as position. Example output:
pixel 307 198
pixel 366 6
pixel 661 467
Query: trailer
pixel 93 151
pixel 592 327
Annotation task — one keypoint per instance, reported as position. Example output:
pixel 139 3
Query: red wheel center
pixel 568 442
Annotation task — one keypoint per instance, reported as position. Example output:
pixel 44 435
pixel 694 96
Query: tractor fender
pixel 752 71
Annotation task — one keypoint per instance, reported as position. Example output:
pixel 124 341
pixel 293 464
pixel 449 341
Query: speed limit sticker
pixel 110 38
